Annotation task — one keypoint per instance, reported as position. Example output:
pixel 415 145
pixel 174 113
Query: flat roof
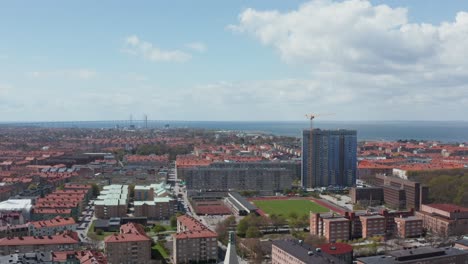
pixel 242 201
pixel 305 252
pixel 422 253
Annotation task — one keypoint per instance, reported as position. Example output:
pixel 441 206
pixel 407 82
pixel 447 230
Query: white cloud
pixel 83 74
pixel 135 46
pixel 196 46
pixel 373 51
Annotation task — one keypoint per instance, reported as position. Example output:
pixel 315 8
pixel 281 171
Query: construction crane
pixel 311 117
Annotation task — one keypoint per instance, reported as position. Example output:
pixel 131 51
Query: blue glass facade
pixel 329 158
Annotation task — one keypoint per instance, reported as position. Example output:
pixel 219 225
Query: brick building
pixel 153 201
pixel 66 241
pixel 194 242
pixel 112 202
pixel 422 255
pixel 409 226
pixel 414 194
pixel 297 252
pixel 373 225
pixel 131 245
pixel 444 219
pixel 330 226
pixel 367 195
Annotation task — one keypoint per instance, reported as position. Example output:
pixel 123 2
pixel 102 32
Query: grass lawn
pixel 286 207
pixel 94 236
pixel 158 247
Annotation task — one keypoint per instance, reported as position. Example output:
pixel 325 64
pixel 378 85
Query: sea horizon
pixel 381 130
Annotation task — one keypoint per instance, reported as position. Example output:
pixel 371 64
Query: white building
pixel 52 227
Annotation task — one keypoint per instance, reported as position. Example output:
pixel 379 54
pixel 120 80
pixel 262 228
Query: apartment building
pixel 330 226
pixel 14 230
pixel 367 195
pixel 263 177
pixel 130 246
pixel 409 226
pixel 422 255
pixel 194 242
pixel 153 201
pixel 400 192
pixel 372 225
pixel 62 242
pixel 52 226
pixel 297 252
pixel 444 219
pixel 112 202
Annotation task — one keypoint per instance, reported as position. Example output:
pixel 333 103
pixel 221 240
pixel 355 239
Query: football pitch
pixel 286 207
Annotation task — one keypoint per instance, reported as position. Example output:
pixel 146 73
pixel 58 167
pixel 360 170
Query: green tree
pixel 95 190
pixel 159 228
pixel 314 240
pixel 277 220
pixel 173 221
pixel 252 232
pixel 242 228
pixel 293 215
pixel 131 191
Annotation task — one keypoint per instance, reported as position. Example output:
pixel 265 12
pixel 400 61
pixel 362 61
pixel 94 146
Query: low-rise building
pixel 461 244
pixel 153 201
pixel 45 214
pixel 297 252
pixel 14 230
pixel 409 226
pixel 421 255
pixel 367 195
pixel 66 241
pixel 79 257
pixel 132 245
pixel 342 251
pixel 372 225
pixel 194 242
pixel 330 226
pixel 29 258
pixel 238 204
pixel 52 226
pixel 23 206
pixel 112 202
pixel 444 219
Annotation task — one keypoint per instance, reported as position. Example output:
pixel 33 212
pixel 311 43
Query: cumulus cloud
pixel 372 50
pixel 196 46
pixel 135 46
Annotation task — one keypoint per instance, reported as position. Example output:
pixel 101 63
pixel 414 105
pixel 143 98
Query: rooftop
pixel 448 207
pixel 70 238
pixel 305 252
pixel 423 254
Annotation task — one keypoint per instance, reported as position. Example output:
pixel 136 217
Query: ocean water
pixel 386 131
pixel 444 131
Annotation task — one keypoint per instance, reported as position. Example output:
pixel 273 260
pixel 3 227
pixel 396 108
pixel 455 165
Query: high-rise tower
pixel 328 158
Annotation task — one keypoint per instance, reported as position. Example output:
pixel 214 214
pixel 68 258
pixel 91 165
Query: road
pixel 85 224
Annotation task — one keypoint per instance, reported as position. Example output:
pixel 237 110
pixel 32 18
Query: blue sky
pixel 233 60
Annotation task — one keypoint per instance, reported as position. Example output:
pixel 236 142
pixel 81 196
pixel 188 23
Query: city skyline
pixel 252 61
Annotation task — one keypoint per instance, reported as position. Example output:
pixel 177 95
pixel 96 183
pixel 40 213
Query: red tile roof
pixel 336 248
pixel 129 232
pixel 195 229
pixel 40 240
pixel 449 207
pixel 57 221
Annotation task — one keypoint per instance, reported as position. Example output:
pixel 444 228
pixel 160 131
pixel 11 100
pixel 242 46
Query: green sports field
pixel 286 207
